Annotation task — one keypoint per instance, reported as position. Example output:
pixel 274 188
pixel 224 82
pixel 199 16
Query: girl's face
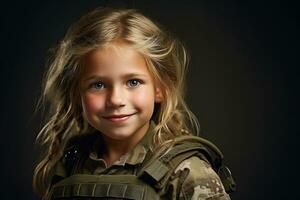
pixel 118 93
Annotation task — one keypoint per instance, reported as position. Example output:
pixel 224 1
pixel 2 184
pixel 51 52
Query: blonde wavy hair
pixel 166 59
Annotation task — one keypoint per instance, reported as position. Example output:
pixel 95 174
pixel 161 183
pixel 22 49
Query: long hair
pixel 166 60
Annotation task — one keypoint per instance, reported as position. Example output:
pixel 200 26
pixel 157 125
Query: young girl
pixel 119 127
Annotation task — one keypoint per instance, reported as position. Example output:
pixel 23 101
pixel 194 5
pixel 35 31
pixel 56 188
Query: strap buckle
pixel 227 179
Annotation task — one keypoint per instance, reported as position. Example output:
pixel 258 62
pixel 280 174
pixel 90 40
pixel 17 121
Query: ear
pixel 158 95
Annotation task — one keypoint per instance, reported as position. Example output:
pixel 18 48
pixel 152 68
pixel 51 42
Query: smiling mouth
pixel 117 118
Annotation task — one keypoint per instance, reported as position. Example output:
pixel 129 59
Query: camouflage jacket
pixel 201 181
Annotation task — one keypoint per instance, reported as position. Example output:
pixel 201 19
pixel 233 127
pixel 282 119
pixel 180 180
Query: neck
pixel 114 148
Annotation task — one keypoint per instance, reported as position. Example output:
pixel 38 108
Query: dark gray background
pixel 243 84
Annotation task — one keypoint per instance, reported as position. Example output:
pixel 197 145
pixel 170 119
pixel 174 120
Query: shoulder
pixel 201 182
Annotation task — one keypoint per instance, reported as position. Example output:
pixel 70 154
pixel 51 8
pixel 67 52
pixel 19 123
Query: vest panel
pixel 82 186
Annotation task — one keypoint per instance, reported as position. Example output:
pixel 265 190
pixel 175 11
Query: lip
pixel 118 118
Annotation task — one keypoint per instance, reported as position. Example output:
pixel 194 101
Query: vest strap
pixel 160 167
pixel 157 170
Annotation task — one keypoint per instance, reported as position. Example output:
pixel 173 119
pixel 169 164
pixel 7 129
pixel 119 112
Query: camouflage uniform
pixel 200 183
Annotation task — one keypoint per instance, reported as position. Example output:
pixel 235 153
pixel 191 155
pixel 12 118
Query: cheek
pixel 144 98
pixel 91 103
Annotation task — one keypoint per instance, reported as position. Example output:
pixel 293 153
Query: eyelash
pixel 94 85
pixel 131 80
pixel 128 83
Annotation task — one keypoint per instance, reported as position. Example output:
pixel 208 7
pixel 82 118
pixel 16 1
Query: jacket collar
pixel 133 157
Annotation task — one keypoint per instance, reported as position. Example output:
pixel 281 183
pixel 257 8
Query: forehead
pixel 114 59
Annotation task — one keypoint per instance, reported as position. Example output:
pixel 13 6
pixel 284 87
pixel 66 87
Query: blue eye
pixel 97 85
pixel 133 83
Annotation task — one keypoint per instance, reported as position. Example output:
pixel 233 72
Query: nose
pixel 115 98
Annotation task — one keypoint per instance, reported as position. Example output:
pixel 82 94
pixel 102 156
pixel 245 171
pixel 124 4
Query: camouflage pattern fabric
pixel 200 182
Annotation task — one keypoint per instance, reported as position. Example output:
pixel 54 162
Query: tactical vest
pixel 152 177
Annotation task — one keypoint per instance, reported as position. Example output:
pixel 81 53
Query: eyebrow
pixel 125 76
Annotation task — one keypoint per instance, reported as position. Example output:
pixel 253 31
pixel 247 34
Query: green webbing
pixel 100 190
pixel 103 186
pixel 202 141
pixel 160 167
pixel 156 170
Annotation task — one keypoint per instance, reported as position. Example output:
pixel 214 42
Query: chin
pixel 117 134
